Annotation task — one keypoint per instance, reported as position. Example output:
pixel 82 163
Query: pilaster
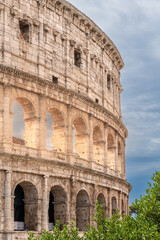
pixel 7 203
pixel 90 141
pixel 45 202
pixel 69 143
pixel 116 152
pixel 105 147
pixel 6 114
pixel 109 203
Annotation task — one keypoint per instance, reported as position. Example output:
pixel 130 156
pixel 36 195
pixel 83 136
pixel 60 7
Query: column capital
pixel 90 115
pixel 46 176
pixel 69 106
pixel 106 125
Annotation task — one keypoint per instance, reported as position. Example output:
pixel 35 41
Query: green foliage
pixel 146 226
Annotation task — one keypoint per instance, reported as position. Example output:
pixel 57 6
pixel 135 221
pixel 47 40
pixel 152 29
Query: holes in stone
pixel 109 82
pixel 96 100
pixel 24 31
pixel 54 79
pixel 77 58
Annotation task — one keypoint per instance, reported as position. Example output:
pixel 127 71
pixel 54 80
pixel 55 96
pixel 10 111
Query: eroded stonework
pixel 54 59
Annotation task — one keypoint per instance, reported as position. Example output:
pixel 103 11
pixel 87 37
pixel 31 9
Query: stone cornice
pixel 43 83
pixel 71 168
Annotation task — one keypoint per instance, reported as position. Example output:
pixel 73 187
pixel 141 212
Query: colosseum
pixel 63 72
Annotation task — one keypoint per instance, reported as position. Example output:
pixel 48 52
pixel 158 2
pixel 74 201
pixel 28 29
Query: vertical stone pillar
pixel 90 151
pixel 109 203
pixel 6 114
pixel 124 158
pixel 7 203
pixel 119 203
pixel 72 199
pixel 105 147
pixel 93 205
pixel 45 202
pixel 116 152
pixel 42 124
pixel 69 142
pixel 1 114
pixel 120 112
pixel 127 205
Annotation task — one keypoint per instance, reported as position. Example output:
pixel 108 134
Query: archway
pixel 98 145
pixel 114 205
pixel 102 201
pixel 25 207
pixel 24 123
pixel 19 208
pixel 56 132
pixel 82 210
pixel 57 207
pixel 51 211
pixel 80 138
pixel 111 152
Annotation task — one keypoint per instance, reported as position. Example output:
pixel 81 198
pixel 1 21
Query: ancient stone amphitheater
pixel 54 59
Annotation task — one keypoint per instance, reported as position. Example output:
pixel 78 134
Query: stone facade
pixel 54 59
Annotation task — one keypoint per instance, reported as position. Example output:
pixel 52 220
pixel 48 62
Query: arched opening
pixel 24 123
pixel 57 207
pixel 122 208
pixel 51 211
pixel 82 210
pixel 55 130
pixel 80 138
pixel 119 157
pixel 25 207
pixel 111 152
pixel 114 205
pixel 98 145
pixel 19 208
pixel 102 202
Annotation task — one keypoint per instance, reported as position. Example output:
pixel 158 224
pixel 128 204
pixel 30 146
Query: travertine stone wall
pixel 54 59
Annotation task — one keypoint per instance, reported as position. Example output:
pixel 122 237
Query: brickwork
pixel 54 59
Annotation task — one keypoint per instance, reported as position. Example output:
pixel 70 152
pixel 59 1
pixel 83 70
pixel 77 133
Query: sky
pixel 134 27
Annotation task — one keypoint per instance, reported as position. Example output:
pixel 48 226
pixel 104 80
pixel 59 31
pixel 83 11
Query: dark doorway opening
pixel 51 211
pixel 19 208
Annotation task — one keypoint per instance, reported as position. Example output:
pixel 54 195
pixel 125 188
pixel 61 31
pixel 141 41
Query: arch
pixel 114 205
pixel 25 207
pixel 102 201
pixel 80 137
pixel 119 157
pixel 98 145
pixel 57 207
pixel 82 210
pixel 28 137
pixel 111 151
pixel 58 130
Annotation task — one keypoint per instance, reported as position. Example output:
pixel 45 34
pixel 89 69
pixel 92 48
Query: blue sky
pixel 134 27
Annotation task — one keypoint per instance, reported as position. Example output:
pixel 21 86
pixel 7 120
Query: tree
pixel 146 225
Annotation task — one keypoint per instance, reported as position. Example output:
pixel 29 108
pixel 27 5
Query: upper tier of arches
pixel 63 47
pixel 67 131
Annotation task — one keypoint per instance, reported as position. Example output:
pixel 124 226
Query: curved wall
pixel 54 59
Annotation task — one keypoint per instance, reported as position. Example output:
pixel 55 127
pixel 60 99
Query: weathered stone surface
pixel 54 59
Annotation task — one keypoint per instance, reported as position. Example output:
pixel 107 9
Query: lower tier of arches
pixel 33 202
